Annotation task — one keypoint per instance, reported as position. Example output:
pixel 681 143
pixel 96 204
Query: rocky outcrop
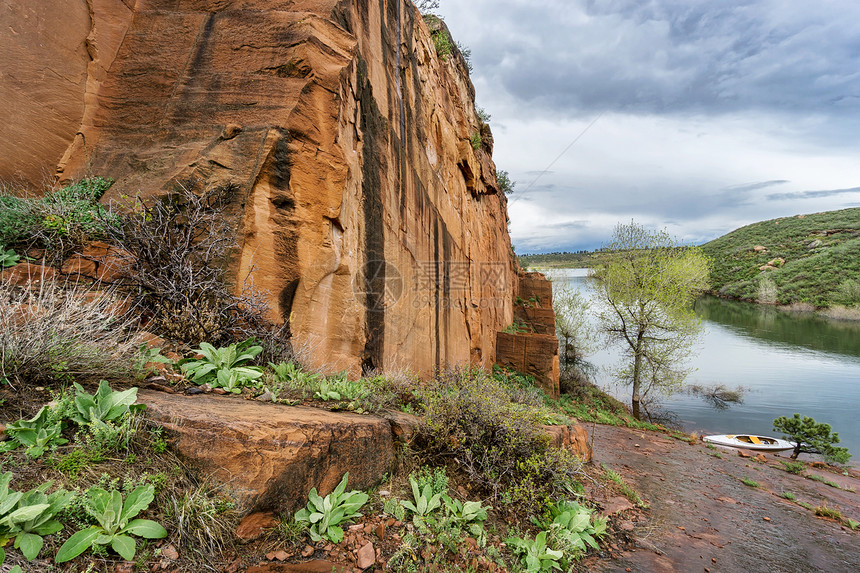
pixel 366 203
pixel 533 349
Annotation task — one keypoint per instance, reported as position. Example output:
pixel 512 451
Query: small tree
pixel 573 330
pixel 811 437
pixel 647 284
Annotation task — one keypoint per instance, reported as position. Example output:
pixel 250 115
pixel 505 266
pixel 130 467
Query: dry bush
pixel 59 331
pixel 181 246
pixel 492 430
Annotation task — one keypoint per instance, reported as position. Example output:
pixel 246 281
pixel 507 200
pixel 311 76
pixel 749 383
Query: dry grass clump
pixel 59 331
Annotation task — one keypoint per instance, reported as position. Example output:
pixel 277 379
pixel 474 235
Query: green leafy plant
pixel 811 437
pixel 147 355
pixel 325 515
pixel 424 501
pixel 291 374
pixel 8 258
pixel 115 524
pixel 37 434
pixel 28 517
pixel 442 43
pixel 535 554
pixel 226 367
pixel 853 524
pixel 470 515
pixel 476 140
pixel 573 527
pixel 106 405
pixel 788 495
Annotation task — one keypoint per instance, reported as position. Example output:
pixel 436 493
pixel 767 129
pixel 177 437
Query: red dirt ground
pixel 702 517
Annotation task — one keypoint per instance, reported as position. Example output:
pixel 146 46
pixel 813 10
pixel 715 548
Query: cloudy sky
pixel 697 116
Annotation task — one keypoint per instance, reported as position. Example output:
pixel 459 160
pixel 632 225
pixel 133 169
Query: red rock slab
pixel 271 455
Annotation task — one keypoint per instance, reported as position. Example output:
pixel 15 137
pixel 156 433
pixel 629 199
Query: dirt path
pixel 704 518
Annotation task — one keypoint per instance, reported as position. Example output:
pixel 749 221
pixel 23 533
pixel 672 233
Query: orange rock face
pixel 362 207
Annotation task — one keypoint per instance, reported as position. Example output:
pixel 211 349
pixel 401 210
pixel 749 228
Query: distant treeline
pixel 577 259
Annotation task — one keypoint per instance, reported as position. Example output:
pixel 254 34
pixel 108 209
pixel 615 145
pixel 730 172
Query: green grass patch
pixel 625 489
pixel 823 480
pixel 749 482
pixel 788 495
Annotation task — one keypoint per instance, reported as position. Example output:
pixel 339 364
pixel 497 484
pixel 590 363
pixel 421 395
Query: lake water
pixel 788 362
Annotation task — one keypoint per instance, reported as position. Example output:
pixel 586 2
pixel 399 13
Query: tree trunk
pixel 637 367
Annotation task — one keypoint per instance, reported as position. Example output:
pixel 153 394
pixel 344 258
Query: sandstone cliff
pixel 364 209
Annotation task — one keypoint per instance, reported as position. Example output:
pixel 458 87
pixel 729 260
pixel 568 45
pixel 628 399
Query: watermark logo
pixel 379 285
pixel 445 284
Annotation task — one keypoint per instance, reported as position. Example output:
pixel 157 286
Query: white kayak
pixel 750 442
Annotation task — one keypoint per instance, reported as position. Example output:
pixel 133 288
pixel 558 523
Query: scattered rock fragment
pixel 255 525
pixel 366 556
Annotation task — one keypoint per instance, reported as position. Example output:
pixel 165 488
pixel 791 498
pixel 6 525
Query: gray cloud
pixel 759 185
pixel 706 109
pixel 811 194
pixel 672 56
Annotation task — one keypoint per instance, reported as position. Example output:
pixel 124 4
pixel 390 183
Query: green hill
pixel 821 254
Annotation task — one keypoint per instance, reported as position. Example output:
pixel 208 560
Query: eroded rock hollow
pixel 367 204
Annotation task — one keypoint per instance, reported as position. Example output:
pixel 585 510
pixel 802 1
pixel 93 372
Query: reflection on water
pixel 806 329
pixel 789 362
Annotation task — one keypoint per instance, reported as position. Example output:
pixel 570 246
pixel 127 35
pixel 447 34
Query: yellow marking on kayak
pixel 755 440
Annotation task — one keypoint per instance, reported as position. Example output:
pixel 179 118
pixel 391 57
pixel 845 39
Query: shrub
pixel 180 246
pixel 476 140
pixel 506 184
pixel 59 332
pixel 442 43
pixel 59 222
pixel 793 467
pixel 767 291
pixel 493 431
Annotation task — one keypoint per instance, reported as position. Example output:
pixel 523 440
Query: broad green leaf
pixel 137 501
pixel 29 544
pixel 335 534
pixel 124 545
pixel 341 487
pixel 27 513
pixel 77 544
pixel 145 528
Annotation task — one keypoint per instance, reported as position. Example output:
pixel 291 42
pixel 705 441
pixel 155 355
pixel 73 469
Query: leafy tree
pixel 646 285
pixel 573 330
pixel 811 437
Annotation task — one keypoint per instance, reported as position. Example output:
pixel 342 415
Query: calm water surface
pixel 788 362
